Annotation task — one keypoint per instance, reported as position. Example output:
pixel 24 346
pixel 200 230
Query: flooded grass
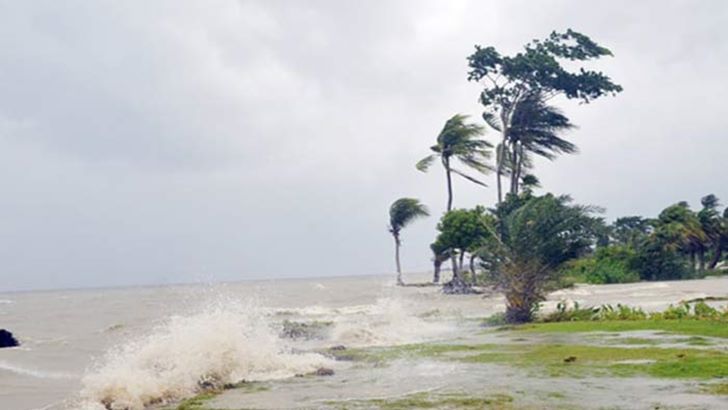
pixel 716 388
pixel 640 356
pixel 199 401
pixel 686 327
pixel 427 400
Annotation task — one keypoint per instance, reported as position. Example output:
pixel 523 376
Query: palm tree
pixel 402 212
pixel 533 130
pixel 715 227
pixel 459 140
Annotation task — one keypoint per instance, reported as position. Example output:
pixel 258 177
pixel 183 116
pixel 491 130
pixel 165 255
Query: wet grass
pixel 581 360
pixel 431 401
pixel 574 360
pixel 686 327
pixel 199 401
pixel 716 388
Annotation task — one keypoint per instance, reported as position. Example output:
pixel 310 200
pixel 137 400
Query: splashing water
pixel 224 344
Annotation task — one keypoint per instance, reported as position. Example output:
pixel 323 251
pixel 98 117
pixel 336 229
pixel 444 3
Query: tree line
pixel 526 243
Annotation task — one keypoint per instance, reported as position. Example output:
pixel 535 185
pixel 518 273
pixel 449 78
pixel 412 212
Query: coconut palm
pixel 402 212
pixel 535 130
pixel 459 140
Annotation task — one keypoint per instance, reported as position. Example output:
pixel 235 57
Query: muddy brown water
pixel 138 345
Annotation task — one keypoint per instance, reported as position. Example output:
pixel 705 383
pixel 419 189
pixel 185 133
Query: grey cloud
pixel 154 142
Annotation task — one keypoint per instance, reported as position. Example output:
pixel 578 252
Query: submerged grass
pixel 426 400
pixel 581 360
pixel 686 327
pixel 716 388
pixel 574 360
pixel 198 402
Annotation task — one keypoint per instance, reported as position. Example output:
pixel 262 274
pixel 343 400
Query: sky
pixel 199 141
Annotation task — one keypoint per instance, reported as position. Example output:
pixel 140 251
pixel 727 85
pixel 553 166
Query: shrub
pixel 612 264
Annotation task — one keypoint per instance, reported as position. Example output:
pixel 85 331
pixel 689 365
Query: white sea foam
pixel 225 343
pixel 388 322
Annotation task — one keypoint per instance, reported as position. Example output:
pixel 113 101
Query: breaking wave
pixel 224 344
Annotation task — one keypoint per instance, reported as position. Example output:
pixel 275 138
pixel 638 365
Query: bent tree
pixel 535 74
pixel 459 141
pixel 401 213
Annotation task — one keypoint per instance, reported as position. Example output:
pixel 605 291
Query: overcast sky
pixel 173 141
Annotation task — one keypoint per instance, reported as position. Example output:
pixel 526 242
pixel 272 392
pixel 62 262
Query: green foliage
pixel 403 211
pixel 538 67
pixel 683 311
pixel 459 140
pixel 464 230
pixel 516 91
pixel 613 264
pixel 658 261
pixel 536 236
pixel 629 230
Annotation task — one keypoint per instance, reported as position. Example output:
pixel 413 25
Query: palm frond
pixel 468 177
pixel 425 163
pixel 405 210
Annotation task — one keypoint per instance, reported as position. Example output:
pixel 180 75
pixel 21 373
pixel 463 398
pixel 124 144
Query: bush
pixel 613 264
pixel 683 311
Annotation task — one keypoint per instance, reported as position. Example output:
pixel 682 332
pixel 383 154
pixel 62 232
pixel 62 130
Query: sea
pixel 144 347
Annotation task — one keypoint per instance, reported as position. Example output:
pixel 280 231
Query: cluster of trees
pixel 524 242
pixel 678 243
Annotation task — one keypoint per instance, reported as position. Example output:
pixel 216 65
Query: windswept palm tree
pixel 534 130
pixel 402 212
pixel 459 140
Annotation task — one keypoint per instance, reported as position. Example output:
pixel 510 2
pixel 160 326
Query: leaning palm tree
pixel 459 140
pixel 402 212
pixel 534 129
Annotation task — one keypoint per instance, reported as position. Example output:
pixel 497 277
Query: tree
pixel 536 236
pixel 678 229
pixel 630 230
pixel 402 212
pixel 534 130
pixel 722 243
pixel 535 74
pixel 440 254
pixel 461 232
pixel 713 225
pixel 459 140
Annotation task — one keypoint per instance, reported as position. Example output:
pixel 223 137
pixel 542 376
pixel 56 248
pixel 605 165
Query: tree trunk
pixel 701 259
pixel 472 268
pixel 519 169
pixel 436 267
pixel 455 271
pixel 717 253
pixel 499 169
pixel 462 257
pixel 514 170
pixel 449 183
pixel 396 257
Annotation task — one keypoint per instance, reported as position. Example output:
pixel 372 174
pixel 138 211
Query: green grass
pixel 716 388
pixel 571 359
pixel 431 401
pixel 197 402
pixel 580 360
pixel 686 327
